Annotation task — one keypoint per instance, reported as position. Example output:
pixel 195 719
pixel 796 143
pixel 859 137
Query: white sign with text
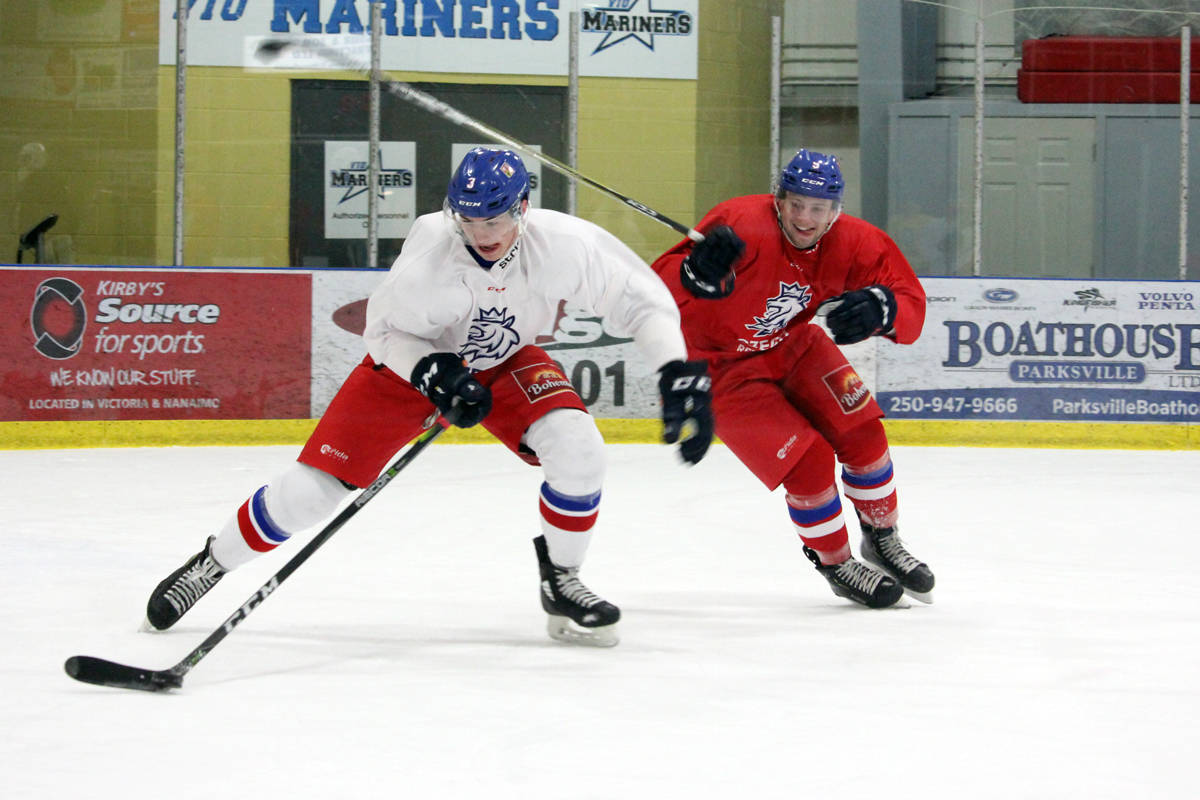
pixel 619 38
pixel 346 199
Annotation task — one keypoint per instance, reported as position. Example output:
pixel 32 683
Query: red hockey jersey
pixel 778 286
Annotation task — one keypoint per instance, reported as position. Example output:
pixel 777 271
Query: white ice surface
pixel 407 658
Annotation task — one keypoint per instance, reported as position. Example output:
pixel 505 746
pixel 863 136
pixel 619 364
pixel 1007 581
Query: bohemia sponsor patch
pixel 847 388
pixel 539 381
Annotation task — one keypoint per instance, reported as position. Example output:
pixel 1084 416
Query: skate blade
pixel 562 629
pixel 924 597
pixel 146 627
pixel 899 603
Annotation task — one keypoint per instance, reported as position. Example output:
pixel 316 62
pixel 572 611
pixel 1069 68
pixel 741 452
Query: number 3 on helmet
pixel 488 183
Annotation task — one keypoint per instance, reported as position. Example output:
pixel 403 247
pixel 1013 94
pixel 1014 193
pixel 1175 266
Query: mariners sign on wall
pixel 1055 350
pixel 346 199
pixel 617 38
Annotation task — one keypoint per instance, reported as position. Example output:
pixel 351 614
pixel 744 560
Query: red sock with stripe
pixel 867 475
pixel 815 506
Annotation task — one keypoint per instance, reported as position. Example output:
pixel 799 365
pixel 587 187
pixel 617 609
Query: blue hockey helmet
pixel 812 174
pixel 488 182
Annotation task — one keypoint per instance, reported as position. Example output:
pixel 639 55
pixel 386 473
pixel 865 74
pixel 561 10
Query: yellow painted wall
pixel 237 167
pixel 733 122
pixel 77 130
pixel 635 136
pixel 638 137
pixel 681 147
pixel 105 114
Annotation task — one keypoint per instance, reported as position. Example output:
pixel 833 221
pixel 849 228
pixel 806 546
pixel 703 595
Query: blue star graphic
pixel 626 7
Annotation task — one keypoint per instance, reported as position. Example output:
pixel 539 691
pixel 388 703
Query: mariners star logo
pixel 621 20
pixel 354 179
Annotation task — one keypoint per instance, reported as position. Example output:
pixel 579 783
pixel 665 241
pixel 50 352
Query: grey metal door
pixel 1038 204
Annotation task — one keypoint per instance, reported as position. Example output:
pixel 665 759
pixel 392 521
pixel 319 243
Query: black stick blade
pixel 270 49
pixel 120 676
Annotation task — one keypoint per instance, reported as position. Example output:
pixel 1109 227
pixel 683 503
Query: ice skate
pixel 856 581
pixel 576 614
pixel 883 548
pixel 172 598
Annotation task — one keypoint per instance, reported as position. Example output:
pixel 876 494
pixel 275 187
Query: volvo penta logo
pixel 58 318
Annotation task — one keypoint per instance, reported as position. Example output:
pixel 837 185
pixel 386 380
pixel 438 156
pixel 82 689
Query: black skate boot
pixel 577 614
pixel 172 598
pixel 883 548
pixel 856 581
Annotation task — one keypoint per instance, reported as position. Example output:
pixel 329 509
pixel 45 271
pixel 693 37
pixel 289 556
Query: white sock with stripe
pixel 300 498
pixel 567 522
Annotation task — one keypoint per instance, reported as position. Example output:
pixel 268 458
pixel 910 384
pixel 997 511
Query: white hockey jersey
pixel 437 298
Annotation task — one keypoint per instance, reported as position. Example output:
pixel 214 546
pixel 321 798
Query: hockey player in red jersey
pixel 785 399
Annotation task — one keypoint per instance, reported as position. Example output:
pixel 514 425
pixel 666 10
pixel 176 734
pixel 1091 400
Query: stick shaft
pixel 448 112
pixel 238 616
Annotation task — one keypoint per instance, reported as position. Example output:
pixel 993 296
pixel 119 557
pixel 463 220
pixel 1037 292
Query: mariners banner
pixel 619 38
pixel 1049 350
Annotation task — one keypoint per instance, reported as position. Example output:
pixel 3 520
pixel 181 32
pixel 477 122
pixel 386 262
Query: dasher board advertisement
pixel 607 371
pixel 1049 350
pixel 118 343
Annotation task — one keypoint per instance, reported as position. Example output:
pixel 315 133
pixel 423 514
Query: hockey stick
pixel 270 49
pixel 108 673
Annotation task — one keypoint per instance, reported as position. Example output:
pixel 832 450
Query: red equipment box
pixel 1102 87
pixel 1103 69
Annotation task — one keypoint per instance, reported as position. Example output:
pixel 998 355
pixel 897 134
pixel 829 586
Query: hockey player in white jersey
pixel 451 328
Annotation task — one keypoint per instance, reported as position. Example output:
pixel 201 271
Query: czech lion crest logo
pixel 781 309
pixel 491 336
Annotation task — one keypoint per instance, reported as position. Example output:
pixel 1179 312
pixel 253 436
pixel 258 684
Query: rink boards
pixel 117 356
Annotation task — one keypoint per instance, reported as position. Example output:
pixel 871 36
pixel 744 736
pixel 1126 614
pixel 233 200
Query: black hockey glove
pixel 707 271
pixel 687 407
pixel 860 314
pixel 446 381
